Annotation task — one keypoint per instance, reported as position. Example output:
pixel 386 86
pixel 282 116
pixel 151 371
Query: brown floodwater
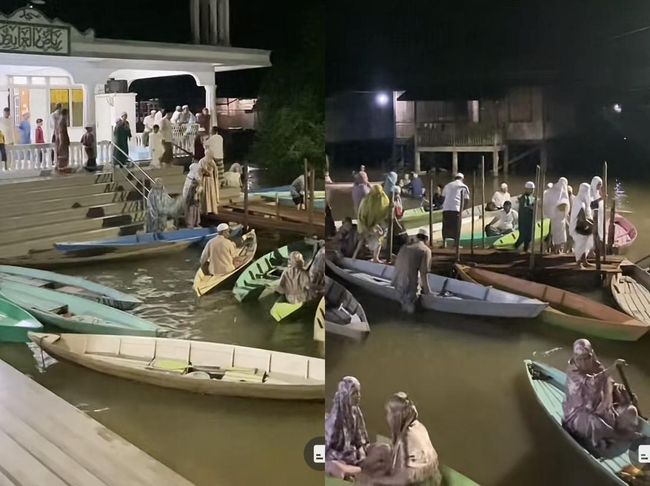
pixel 466 374
pixel 210 440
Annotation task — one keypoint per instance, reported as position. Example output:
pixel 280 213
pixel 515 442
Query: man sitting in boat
pixel 504 222
pixel 346 437
pixel 412 259
pixel 499 198
pixel 597 411
pixel 410 457
pixel 220 255
pixel 347 238
pixel 295 283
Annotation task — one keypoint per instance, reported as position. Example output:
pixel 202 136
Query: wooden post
pixel 246 195
pixel 471 238
pixel 596 240
pixel 482 201
pixel 543 189
pixel 306 174
pixel 431 211
pixel 460 224
pixel 531 264
pixel 277 205
pixel 390 227
pixel 605 194
pixel 454 163
pixel 610 234
pixel 312 184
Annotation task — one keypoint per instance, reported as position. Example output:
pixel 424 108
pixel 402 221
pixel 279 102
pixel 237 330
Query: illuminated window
pixel 73 100
pixel 39 80
pixel 19 79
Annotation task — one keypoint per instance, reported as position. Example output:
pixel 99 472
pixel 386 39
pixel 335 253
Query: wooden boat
pixel 507 242
pixel 75 313
pixel 631 291
pixel 419 217
pixel 446 294
pixel 342 314
pixel 450 477
pixel 70 285
pixel 319 321
pixel 191 236
pixel 282 309
pixel 548 384
pixel 267 270
pixel 15 322
pixel 196 366
pixel 204 284
pixel 568 310
pixel 48 259
pixel 625 234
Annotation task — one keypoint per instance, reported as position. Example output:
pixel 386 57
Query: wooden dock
pixel 46 441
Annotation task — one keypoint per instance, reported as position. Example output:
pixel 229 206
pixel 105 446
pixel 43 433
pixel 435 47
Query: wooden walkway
pixel 46 441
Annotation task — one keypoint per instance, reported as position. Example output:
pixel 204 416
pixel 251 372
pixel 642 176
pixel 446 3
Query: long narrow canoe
pixel 191 236
pixel 195 366
pixel 74 313
pixel 548 384
pixel 282 309
pixel 568 310
pixel 446 294
pixel 450 477
pixel 204 284
pixel 507 242
pixel 342 313
pixel 15 322
pixel 267 270
pixel 319 321
pixel 625 234
pixel 631 291
pixel 70 285
pixel 419 217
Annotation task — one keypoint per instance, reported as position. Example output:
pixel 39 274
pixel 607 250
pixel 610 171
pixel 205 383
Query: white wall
pixel 39 108
pixel 108 108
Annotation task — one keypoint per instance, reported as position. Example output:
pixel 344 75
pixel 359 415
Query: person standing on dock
pixel 390 182
pixel 220 255
pixel 416 187
pixel 372 220
pixel 156 146
pixel 214 143
pixel 526 215
pixel 598 412
pixel 149 121
pixel 581 226
pixel 413 261
pixel 88 143
pixel 360 189
pixel 596 192
pixel 210 184
pixel 7 130
pixel 159 207
pixel 25 130
pixel 456 196
pixel 62 141
pixel 167 133
pixel 556 207
pixel 121 136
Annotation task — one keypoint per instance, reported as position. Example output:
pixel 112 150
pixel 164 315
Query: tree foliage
pixel 291 111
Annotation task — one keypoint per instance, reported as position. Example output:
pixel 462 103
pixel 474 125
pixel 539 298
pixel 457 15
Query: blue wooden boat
pixel 197 236
pixel 548 384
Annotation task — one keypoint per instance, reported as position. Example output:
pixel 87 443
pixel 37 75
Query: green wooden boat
pixel 548 384
pixel 450 477
pixel 15 322
pixel 267 270
pixel 70 285
pixel 74 313
pixel 282 309
pixel 508 241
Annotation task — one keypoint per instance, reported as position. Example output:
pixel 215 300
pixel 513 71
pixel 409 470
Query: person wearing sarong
pixel 504 222
pixel 360 189
pixel 556 207
pixel 317 275
pixel 88 143
pixel 62 141
pixel 121 136
pixel 210 194
pixel 347 238
pixel 409 458
pixel 294 283
pixel 193 204
pixel 220 256
pixel 411 267
pixel 346 437
pixel 160 207
pixel 526 214
pixel 597 411
pixel 456 195
pixel 581 225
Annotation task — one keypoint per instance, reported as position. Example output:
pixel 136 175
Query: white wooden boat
pixel 446 294
pixel 631 291
pixel 342 313
pixel 196 366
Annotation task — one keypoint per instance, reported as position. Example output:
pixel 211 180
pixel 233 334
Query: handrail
pixel 144 192
pixel 183 150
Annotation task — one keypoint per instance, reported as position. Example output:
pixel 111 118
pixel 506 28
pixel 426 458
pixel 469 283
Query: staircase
pixel 39 212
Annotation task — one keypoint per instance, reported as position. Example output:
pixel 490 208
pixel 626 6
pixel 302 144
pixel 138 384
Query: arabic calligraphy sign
pixel 31 38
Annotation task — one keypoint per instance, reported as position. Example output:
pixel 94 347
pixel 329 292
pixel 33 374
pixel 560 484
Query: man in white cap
pixel 412 259
pixel 526 211
pixel 149 121
pixel 501 196
pixel 456 195
pixel 176 115
pixel 220 254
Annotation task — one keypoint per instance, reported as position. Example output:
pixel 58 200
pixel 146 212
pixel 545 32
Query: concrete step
pixel 71 226
pixel 16 249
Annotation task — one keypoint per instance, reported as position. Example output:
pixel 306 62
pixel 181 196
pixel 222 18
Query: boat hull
pixel 15 322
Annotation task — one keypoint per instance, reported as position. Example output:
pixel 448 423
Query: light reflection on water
pixel 210 440
pixel 466 374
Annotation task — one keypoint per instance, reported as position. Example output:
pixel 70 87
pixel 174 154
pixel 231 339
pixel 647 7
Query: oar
pixel 619 366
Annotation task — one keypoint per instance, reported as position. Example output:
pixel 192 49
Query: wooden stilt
pixel 531 264
pixel 246 195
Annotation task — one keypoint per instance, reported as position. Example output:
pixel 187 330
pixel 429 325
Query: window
pixel 19 79
pixel 72 100
pixel 520 105
pixel 39 80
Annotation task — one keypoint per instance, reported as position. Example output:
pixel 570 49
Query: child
pixel 39 135
pixel 156 146
pixel 88 142
pixel 3 150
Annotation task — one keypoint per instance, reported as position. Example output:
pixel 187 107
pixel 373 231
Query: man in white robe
pixel 501 196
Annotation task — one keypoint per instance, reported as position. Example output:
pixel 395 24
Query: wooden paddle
pixel 619 366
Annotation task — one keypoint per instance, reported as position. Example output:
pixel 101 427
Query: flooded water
pixel 467 378
pixel 210 440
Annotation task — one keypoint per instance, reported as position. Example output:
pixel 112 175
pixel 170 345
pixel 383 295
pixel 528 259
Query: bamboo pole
pixel 531 264
pixel 596 239
pixel 471 238
pixel 460 224
pixel 542 188
pixel 610 235
pixel 390 227
pixel 246 195
pixel 431 211
pixel 605 195
pixel 482 201
pixel 306 175
pixel 312 184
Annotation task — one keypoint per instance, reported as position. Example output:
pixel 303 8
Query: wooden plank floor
pixel 46 441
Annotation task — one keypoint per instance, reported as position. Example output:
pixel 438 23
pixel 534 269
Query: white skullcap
pixel 423 232
pixel 549 185
pixel 504 186
pixel 530 185
pixel 222 227
pixel 397 190
pixel 185 106
pixel 459 176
